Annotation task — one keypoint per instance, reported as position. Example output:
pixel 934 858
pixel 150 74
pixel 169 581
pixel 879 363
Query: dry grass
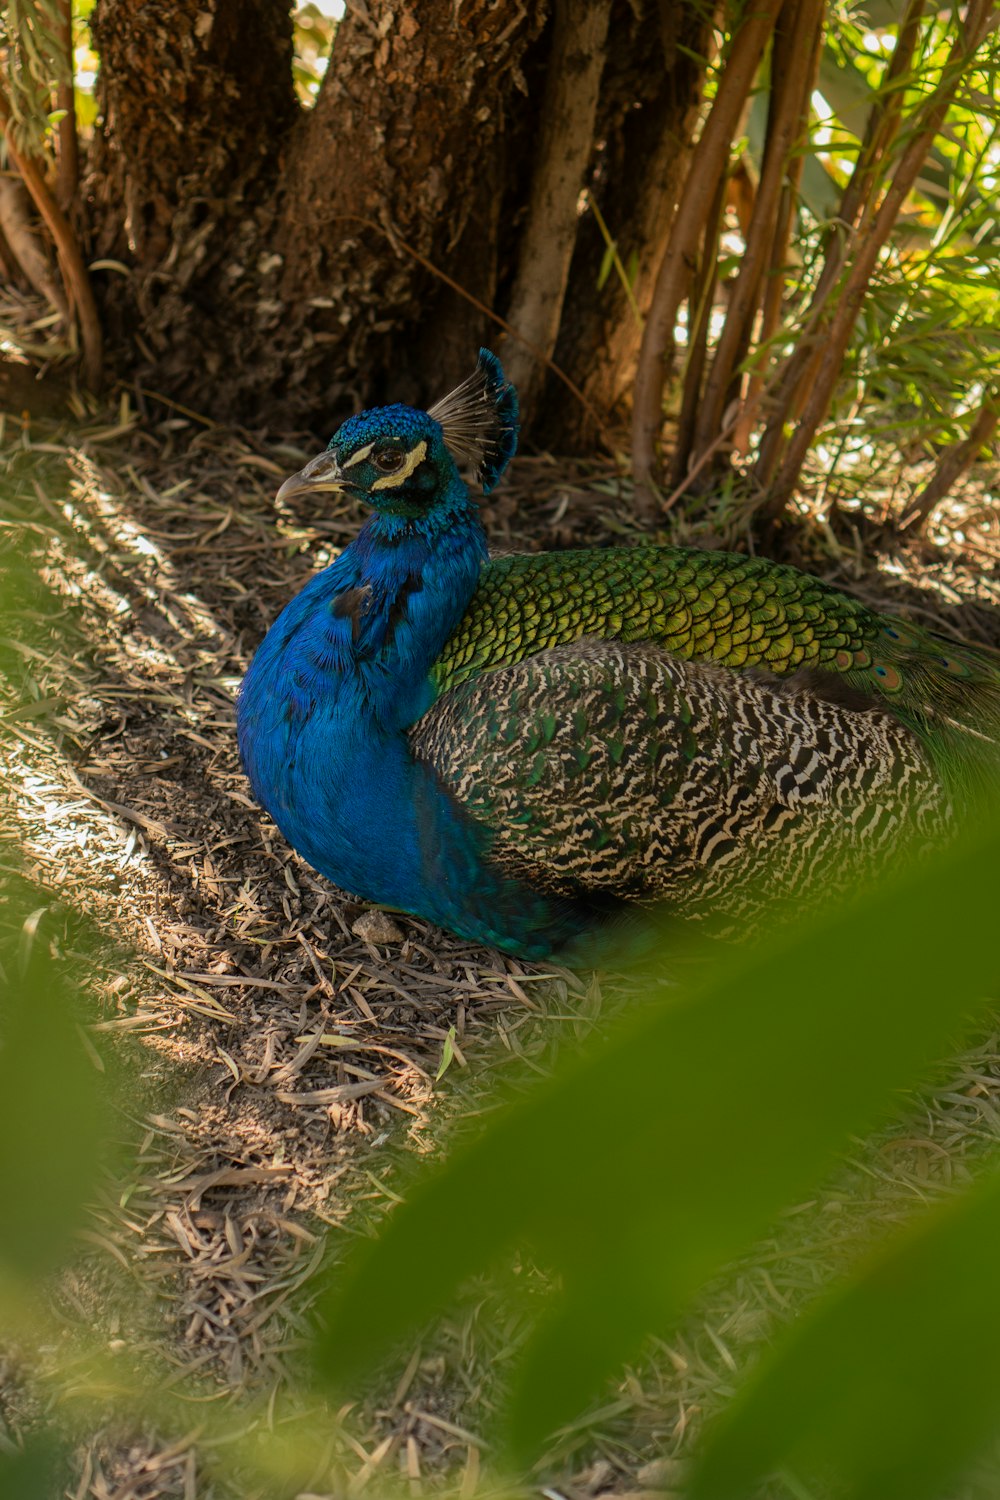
pixel 281 1048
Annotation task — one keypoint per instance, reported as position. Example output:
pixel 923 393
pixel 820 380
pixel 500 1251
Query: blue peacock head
pixel 402 461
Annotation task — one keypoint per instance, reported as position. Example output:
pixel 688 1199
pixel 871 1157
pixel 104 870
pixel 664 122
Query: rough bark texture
pixel 403 157
pixel 285 265
pixel 282 261
pixel 196 103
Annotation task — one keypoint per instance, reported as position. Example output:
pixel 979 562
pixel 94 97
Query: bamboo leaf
pixel 892 1386
pixel 50 1121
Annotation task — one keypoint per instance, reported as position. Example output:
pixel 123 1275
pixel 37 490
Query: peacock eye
pixel 388 460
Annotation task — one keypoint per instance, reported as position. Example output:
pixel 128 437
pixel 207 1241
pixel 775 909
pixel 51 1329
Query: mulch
pixel 288 1055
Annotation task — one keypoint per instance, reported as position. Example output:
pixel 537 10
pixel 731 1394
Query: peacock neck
pixel 362 636
pixel 341 675
pixel 404 585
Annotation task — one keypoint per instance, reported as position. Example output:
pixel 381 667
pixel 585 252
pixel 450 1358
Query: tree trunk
pixel 196 106
pixel 388 180
pixel 568 111
pixel 282 261
pixel 288 265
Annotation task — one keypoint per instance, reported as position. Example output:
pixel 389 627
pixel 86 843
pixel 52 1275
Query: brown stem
pixel 646 158
pixel 700 316
pixel 27 249
pixel 71 263
pixel 777 270
pixel 770 317
pixel 706 456
pixel 68 178
pixel 708 163
pixel 569 109
pixel 799 372
pixel 954 462
pixel 869 242
pixel 799 25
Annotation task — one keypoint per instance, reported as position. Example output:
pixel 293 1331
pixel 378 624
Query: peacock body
pixel 518 748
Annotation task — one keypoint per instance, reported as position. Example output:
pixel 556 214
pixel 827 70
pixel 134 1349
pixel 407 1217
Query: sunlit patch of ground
pixel 283 1057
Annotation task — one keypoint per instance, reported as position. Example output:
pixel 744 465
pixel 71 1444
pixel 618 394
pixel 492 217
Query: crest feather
pixel 479 419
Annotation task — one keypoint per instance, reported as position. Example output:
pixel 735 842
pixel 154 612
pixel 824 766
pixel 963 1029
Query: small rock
pixel 373 926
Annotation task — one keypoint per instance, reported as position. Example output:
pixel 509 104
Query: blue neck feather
pixel 338 678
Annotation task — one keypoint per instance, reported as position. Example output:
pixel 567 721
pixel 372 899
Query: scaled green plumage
pixel 741 613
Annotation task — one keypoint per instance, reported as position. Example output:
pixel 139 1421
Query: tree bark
pixel 386 169
pixel 196 103
pixel 283 259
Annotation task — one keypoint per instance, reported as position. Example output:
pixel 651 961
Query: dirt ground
pixel 282 1047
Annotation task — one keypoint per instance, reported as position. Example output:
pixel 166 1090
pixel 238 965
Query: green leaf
pixel 50 1121
pixel 892 1386
pixel 607 262
pixel 847 91
pixel 726 1103
pixel 32 1472
pixel 447 1055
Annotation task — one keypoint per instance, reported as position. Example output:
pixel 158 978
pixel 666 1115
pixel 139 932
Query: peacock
pixel 523 749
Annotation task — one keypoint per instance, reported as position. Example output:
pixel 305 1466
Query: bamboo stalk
pixel 569 110
pixel 708 163
pixel 68 179
pixel 776 274
pixel 700 316
pixel 797 28
pixel 799 372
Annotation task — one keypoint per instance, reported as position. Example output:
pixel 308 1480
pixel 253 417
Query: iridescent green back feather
pixel 742 613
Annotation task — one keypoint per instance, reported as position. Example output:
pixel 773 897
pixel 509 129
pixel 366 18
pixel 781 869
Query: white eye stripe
pixel 359 457
pixel 414 458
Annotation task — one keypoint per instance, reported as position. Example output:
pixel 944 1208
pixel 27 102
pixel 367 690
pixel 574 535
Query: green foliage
pixel 930 339
pixel 51 1123
pixel 893 1384
pixel 32 1472
pixel 314 33
pixel 728 1101
pixel 936 303
pixel 34 64
pixel 926 344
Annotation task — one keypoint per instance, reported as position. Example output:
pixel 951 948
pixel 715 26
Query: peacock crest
pixel 480 420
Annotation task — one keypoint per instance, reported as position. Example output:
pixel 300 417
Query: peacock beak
pixel 320 473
